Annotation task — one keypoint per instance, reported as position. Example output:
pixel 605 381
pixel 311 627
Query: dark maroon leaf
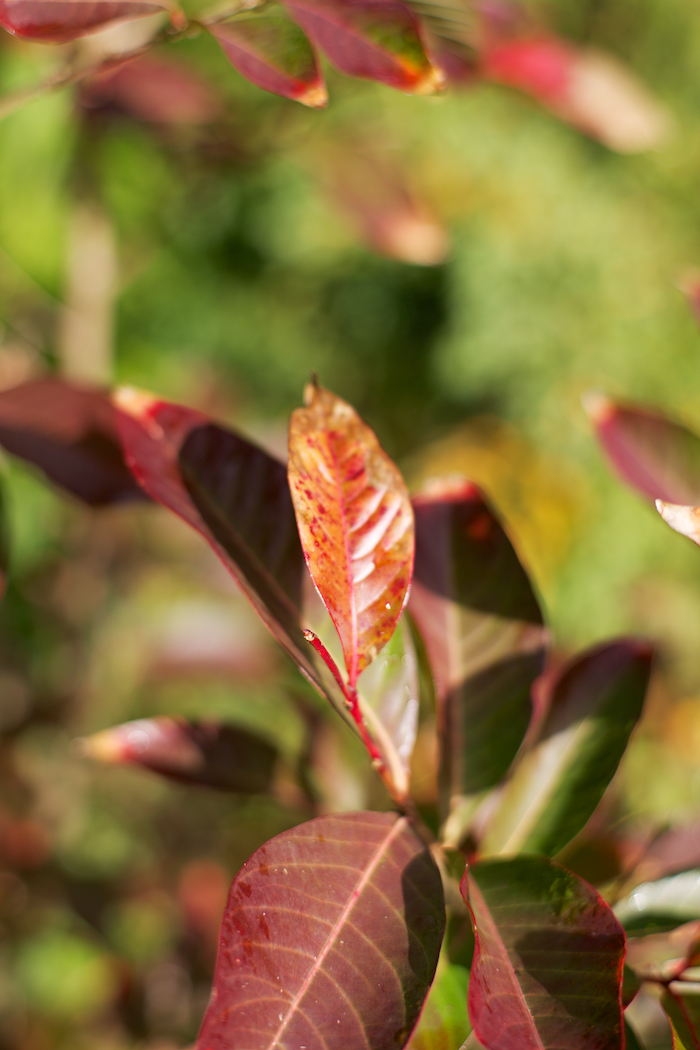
pixel 271 51
pixel 70 432
pixel 657 457
pixel 547 970
pixel 482 628
pixel 594 704
pixel 375 39
pixel 57 21
pixel 330 939
pixel 681 1002
pixel 207 753
pixel 237 497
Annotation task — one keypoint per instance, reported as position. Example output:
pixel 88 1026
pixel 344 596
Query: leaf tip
pixel 132 401
pixel 106 746
pixel 597 406
pixel 431 82
pixel 315 96
pixel 682 519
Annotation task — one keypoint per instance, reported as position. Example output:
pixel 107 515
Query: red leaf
pixel 355 523
pixel 681 1002
pixel 657 457
pixel 154 89
pixel 664 955
pixel 70 432
pixel 211 754
pixel 375 39
pixel 57 21
pixel 330 939
pixel 548 962
pixel 271 51
pixel 483 632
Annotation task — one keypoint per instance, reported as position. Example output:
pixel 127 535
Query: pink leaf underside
pixel 206 753
pixel 330 939
pixel 656 456
pixel 155 90
pixel 70 432
pixel 254 535
pixel 58 21
pixel 373 39
pixel 355 523
pixel 482 628
pixel 274 55
pixel 548 962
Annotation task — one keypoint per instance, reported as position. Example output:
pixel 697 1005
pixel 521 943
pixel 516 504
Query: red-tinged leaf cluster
pixel 355 523
pixel 58 21
pixel 330 939
pixel 271 51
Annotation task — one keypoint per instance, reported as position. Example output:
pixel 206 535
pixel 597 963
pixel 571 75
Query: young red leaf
pixel 376 39
pixel 330 939
pixel 58 21
pixel 657 457
pixel 211 754
pixel 70 432
pixel 482 627
pixel 355 523
pixel 155 90
pixel 594 704
pixel 271 51
pixel 547 970
pixel 681 1001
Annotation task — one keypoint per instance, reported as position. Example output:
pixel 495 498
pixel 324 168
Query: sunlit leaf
pixel 482 628
pixel 375 39
pixel 70 432
pixel 237 497
pixel 271 51
pixel 57 21
pixel 548 962
pixel 684 520
pixel 665 903
pixel 681 1001
pixel 444 1021
pixel 596 700
pixel 355 523
pixel 330 939
pixel 657 457
pixel 211 754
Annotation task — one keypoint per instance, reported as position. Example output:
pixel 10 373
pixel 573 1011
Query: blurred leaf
pixel 208 753
pixel 664 955
pixel 355 522
pixel 676 899
pixel 375 39
pixel 444 1021
pixel 482 628
pixel 307 959
pixel 389 687
pixel 70 432
pixel 657 457
pixel 58 21
pixel 271 51
pixel 592 706
pixel 548 962
pixel 681 1001
pixel 65 975
pixel 236 496
pixel 631 1040
pixel 684 520
pixel 152 89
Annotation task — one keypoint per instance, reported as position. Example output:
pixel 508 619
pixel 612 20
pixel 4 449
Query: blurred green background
pixel 229 259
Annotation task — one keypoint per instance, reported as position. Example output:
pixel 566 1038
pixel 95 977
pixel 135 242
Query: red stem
pixel 350 698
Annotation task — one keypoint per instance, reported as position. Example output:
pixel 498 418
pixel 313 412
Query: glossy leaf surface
pixel 57 21
pixel 330 939
pixel 681 1001
pixel 271 51
pixel 483 632
pixel 355 523
pixel 210 754
pixel 548 962
pixel 657 457
pixel 375 39
pixel 595 703
pixel 70 432
pixel 666 902
pixel 237 497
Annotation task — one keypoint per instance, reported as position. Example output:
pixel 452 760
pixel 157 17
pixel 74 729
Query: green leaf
pixel 681 1001
pixel 444 1022
pixel 592 707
